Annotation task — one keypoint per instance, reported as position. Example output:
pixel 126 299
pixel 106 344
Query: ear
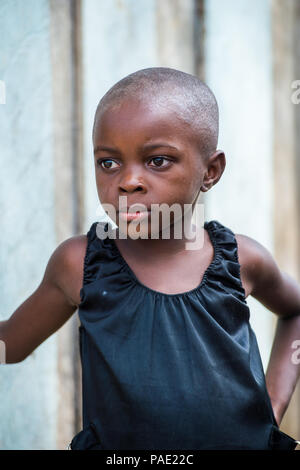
pixel 215 168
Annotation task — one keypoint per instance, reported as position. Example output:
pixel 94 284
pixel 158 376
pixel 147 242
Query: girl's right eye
pixel 104 161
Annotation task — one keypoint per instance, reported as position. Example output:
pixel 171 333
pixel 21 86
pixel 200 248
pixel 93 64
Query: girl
pixel 169 360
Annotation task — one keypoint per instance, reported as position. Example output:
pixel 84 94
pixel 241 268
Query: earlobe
pixel 204 188
pixel 215 170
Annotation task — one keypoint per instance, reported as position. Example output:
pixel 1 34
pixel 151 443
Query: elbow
pixel 290 316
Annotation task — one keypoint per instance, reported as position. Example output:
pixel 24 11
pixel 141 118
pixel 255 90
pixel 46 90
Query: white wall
pixel 238 68
pixel 27 390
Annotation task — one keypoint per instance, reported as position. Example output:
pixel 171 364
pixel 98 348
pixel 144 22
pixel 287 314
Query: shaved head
pixel 186 96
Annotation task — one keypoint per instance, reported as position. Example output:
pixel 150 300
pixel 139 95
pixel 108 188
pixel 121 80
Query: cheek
pixel 104 185
pixel 104 191
pixel 189 179
pixel 194 183
pixel 187 189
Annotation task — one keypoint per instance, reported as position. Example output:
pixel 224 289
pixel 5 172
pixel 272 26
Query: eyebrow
pixel 104 148
pixel 100 148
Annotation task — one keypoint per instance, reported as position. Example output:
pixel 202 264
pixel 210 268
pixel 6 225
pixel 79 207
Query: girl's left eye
pixel 159 161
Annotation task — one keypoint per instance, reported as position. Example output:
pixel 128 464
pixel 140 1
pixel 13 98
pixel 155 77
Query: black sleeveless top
pixel 170 371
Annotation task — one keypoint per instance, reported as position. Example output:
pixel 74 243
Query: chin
pixel 143 231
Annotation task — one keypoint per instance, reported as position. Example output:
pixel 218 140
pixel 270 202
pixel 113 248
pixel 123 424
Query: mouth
pixel 134 212
pixel 137 215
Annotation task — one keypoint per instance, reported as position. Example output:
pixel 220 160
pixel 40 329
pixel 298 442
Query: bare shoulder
pixel 65 267
pixel 250 249
pixel 271 286
pixel 258 266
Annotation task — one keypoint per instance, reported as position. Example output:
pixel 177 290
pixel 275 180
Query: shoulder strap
pixel 90 254
pixel 101 258
pixel 227 267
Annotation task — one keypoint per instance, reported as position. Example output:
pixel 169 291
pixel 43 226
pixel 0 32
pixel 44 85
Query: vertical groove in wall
pixel 77 124
pixel 62 159
pixel 199 61
pixel 78 178
pixel 285 27
pixel 67 157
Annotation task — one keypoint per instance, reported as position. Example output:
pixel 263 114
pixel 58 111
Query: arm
pixel 279 293
pixel 283 368
pixel 48 308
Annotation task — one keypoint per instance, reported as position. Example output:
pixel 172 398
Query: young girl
pixel 169 360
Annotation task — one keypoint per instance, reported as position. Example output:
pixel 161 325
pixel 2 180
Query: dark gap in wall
pixel 77 125
pixel 78 179
pixel 199 38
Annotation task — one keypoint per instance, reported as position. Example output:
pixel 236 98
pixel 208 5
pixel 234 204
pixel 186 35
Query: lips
pixel 136 212
pixel 134 208
pixel 133 216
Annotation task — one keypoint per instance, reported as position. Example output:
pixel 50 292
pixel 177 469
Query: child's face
pixel 145 152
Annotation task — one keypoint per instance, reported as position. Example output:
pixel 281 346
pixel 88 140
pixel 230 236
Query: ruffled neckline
pixel 209 227
pixel 103 258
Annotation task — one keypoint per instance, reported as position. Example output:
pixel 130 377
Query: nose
pixel 130 183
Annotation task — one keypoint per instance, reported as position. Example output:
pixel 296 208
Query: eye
pixel 159 161
pixel 107 163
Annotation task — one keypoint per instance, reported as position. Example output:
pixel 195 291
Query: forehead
pixel 144 119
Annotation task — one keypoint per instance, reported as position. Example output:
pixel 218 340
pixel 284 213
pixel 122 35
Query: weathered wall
pixel 28 395
pixel 48 190
pixel 238 67
pixel 286 144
